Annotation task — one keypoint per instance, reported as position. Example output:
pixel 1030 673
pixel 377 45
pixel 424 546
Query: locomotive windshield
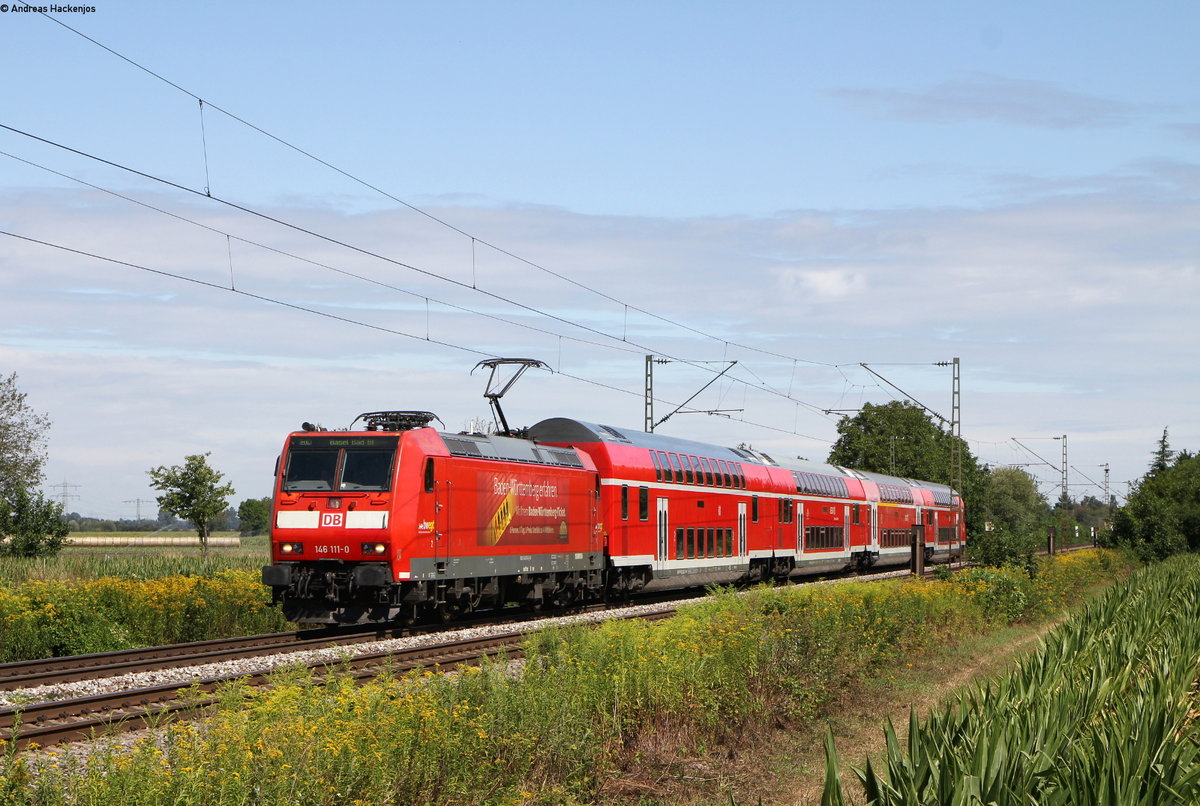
pixel 328 463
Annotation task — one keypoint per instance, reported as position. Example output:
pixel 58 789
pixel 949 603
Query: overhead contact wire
pixel 329 239
pixel 327 315
pixel 425 213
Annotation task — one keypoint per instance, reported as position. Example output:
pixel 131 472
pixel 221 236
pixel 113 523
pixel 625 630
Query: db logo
pixel 333 519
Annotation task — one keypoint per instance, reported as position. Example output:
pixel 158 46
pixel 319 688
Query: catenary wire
pixel 369 253
pixel 316 263
pixel 343 319
pixel 418 210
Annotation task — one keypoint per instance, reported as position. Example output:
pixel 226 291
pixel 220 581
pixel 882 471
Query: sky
pixel 221 220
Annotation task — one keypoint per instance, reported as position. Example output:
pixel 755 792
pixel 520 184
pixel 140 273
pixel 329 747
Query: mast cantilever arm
pixel 698 391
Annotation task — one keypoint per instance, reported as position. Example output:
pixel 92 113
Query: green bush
pixel 1002 547
pixel 43 619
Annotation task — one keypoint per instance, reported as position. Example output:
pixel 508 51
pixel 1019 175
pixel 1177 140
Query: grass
pixel 79 563
pixel 1103 712
pixel 630 712
pixel 926 679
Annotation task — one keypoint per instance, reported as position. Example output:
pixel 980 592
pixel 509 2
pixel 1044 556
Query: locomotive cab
pixel 331 536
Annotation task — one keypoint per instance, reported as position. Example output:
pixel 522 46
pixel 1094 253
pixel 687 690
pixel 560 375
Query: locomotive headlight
pixel 291 548
pixel 374 548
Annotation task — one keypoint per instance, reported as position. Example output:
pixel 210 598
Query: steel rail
pixel 73 668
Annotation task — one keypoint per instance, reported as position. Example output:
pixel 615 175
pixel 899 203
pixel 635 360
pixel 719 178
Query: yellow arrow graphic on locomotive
pixel 500 521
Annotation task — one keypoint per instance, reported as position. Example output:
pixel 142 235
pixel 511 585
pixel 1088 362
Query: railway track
pixel 79 718
pixel 73 668
pixel 85 717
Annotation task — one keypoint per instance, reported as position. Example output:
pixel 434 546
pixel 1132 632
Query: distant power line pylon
pixel 64 495
pixel 139 502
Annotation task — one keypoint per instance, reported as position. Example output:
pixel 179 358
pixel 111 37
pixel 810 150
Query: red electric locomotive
pixel 401 521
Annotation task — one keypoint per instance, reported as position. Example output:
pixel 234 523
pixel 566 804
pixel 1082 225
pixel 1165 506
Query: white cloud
pixel 1021 102
pixel 820 285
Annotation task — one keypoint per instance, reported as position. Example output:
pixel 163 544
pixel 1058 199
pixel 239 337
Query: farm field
pixel 137 562
pixel 728 700
pixel 97 599
pixel 1103 712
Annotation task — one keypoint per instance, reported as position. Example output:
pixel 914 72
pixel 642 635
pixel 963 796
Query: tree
pixel 900 439
pixel 1162 515
pixel 255 514
pixel 192 492
pixel 1013 501
pixel 1162 455
pixel 22 439
pixel 1015 511
pixel 33 526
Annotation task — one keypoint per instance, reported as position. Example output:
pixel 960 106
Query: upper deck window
pixel 678 469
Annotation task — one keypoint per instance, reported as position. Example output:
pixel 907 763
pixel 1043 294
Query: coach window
pixel 691 543
pixel 724 468
pixel 643 503
pixel 687 469
pixel 428 475
pixel 624 502
pixel 754 509
pixel 697 471
pixel 658 471
pixel 679 543
pixel 675 465
pixel 712 542
pixel 708 474
pixel 739 476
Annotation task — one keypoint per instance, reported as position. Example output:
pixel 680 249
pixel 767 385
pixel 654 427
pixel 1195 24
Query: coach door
pixel 741 529
pixel 664 530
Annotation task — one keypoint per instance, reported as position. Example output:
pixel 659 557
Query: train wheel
pixel 445 612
